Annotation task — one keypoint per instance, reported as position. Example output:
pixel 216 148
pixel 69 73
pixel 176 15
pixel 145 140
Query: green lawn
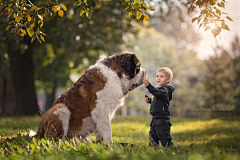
pixel 199 138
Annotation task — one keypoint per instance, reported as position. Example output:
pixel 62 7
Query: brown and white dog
pixel 90 104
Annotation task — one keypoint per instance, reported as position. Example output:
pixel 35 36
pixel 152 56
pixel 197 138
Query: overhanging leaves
pixel 210 14
pixel 25 13
pixel 26 18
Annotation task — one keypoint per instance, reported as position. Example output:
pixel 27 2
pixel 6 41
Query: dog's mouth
pixel 135 85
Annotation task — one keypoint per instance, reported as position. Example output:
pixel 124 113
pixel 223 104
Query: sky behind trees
pixel 204 49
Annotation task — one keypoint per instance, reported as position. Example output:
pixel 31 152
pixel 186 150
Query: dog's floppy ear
pixel 129 65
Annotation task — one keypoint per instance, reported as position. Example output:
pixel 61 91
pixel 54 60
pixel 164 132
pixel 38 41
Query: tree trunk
pixel 51 97
pixel 22 75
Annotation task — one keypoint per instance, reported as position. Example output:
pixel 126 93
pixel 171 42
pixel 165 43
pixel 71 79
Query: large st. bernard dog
pixel 90 104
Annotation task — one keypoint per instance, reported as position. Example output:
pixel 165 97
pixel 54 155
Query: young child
pixel 162 95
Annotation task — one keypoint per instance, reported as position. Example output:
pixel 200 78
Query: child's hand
pixel 146 81
pixel 146 98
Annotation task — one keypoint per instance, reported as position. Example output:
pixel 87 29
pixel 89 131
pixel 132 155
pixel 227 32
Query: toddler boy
pixel 162 95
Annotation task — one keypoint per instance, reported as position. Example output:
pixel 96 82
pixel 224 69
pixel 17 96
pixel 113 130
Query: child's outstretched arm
pixel 161 93
pixel 146 81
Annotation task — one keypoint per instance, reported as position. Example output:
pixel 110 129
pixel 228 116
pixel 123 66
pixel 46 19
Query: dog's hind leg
pixel 54 129
pixel 63 115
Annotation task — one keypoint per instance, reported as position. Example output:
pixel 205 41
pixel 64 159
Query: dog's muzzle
pixel 140 81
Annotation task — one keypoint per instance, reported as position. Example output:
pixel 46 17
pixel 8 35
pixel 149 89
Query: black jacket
pixel 160 102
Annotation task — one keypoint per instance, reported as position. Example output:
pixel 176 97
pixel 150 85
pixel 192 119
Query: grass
pixel 200 138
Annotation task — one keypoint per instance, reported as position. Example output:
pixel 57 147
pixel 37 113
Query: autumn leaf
pixel 60 13
pixel 146 18
pixel 55 8
pixel 138 14
pixel 226 27
pixel 21 32
pixel 81 11
pixel 89 14
pixel 29 18
pixel 7 11
pixel 221 4
pixel 229 18
pixel 215 32
pixel 7 28
pixel 135 6
pixel 137 1
pixel 194 19
pixel 151 8
pixel 223 25
pixel 130 13
pixel 207 28
pixel 30 31
pixel 37 9
pixel 218 12
pixel 63 7
pixel 48 2
pixel 144 5
pixel 18 19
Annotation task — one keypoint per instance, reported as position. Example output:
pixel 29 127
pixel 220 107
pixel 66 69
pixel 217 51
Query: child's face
pixel 161 79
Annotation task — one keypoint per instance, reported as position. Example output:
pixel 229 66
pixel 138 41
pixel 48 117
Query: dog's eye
pixel 138 69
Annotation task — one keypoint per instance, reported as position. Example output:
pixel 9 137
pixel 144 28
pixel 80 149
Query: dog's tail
pixel 32 133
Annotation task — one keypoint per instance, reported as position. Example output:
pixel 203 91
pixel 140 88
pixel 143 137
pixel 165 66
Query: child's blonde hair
pixel 168 71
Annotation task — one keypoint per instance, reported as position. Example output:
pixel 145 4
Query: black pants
pixel 160 131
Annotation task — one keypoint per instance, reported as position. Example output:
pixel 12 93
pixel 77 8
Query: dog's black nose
pixel 144 71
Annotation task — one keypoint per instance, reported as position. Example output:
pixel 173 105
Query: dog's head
pixel 128 68
pixel 132 69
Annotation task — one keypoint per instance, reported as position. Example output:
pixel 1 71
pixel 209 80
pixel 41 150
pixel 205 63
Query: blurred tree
pixel 219 79
pixel 189 83
pixel 235 46
pixel 18 84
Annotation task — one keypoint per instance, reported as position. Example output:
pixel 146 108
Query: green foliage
pixel 219 79
pixel 235 48
pixel 138 8
pixel 25 18
pixel 28 18
pixel 201 138
pixel 210 15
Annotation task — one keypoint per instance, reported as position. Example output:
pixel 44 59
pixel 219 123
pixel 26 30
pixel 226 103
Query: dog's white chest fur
pixel 108 100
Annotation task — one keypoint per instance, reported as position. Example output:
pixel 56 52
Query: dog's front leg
pixel 105 132
pixel 98 137
pixel 103 127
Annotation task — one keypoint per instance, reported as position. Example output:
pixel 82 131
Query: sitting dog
pixel 90 104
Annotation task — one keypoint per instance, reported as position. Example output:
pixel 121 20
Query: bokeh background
pixel 206 69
